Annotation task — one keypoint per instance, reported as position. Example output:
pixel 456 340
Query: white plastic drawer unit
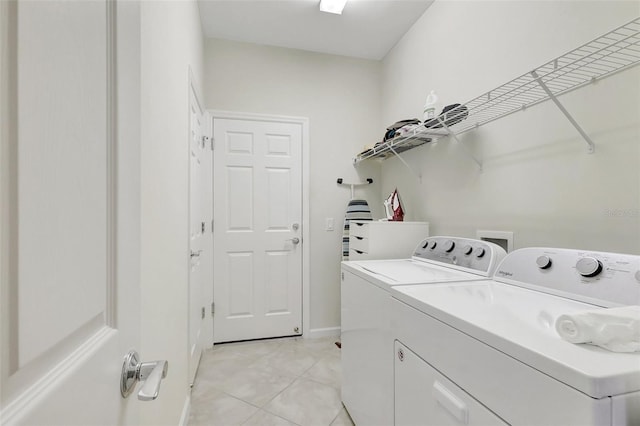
pixel 385 239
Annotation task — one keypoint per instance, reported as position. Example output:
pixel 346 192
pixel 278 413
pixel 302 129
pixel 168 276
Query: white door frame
pixel 205 330
pixel 304 122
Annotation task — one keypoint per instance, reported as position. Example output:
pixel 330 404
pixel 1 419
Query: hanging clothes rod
pixel 353 185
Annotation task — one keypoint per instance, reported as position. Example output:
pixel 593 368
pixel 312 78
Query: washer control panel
pixel 596 277
pixel 465 253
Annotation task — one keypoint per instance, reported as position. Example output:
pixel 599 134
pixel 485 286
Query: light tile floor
pixel 282 382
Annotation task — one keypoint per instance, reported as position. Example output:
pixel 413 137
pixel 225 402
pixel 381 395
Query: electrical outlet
pixel 329 224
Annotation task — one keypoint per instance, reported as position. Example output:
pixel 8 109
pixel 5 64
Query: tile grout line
pixel 298 377
pixel 337 415
pixel 276 395
pixel 263 408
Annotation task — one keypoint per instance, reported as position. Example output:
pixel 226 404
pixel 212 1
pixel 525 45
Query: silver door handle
pixel 294 240
pixel 195 253
pixel 151 373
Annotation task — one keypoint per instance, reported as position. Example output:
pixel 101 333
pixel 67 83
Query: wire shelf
pixel 415 138
pixel 608 54
pixel 613 52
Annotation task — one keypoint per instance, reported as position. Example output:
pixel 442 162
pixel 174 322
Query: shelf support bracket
pixel 418 175
pixel 555 100
pixel 454 136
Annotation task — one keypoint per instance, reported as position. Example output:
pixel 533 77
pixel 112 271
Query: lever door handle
pixel 150 373
pixel 294 240
pixel 195 253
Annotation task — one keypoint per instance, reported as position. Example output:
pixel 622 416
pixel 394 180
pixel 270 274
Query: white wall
pixel 538 180
pixel 341 98
pixel 171 44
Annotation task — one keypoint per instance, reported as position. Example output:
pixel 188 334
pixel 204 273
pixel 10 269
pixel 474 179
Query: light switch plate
pixel 329 224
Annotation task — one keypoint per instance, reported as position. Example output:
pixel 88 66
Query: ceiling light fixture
pixel 332 6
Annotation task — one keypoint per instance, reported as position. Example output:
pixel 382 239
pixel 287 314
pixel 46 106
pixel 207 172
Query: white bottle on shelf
pixel 429 111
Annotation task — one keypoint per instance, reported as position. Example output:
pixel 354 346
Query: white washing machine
pixel 367 344
pixel 488 353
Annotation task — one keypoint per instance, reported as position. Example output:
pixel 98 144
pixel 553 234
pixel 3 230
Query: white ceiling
pixel 366 29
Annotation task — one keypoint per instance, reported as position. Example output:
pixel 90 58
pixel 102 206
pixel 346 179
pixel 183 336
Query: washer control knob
pixel 589 266
pixel 426 243
pixel 479 252
pixel 467 250
pixel 433 245
pixel 543 262
pixel 449 246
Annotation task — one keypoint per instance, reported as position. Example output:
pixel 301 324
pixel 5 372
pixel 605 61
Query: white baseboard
pixel 186 410
pixel 316 333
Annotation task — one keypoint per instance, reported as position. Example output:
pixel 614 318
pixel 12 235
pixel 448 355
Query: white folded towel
pixel 615 329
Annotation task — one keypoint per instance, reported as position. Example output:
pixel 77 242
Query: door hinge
pixel 203 312
pixel 213 308
pixel 212 226
pixel 213 143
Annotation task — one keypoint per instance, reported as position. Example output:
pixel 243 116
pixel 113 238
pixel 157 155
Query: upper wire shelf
pixel 610 53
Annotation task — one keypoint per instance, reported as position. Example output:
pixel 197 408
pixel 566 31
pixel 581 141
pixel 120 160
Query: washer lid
pixel 387 273
pixel 521 323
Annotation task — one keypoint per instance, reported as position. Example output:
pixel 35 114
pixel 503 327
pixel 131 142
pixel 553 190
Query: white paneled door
pixel 258 230
pixel 200 234
pixel 69 210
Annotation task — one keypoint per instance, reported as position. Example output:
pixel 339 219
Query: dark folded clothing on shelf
pixel 450 115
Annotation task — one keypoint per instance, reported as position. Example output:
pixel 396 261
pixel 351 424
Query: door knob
pixel 294 240
pixel 150 373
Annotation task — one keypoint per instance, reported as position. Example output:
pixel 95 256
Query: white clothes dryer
pixel 489 353
pixel 367 344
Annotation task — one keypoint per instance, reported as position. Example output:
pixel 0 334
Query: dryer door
pixel 425 397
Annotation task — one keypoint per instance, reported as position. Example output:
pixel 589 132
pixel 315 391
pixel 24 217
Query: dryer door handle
pixel 451 402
